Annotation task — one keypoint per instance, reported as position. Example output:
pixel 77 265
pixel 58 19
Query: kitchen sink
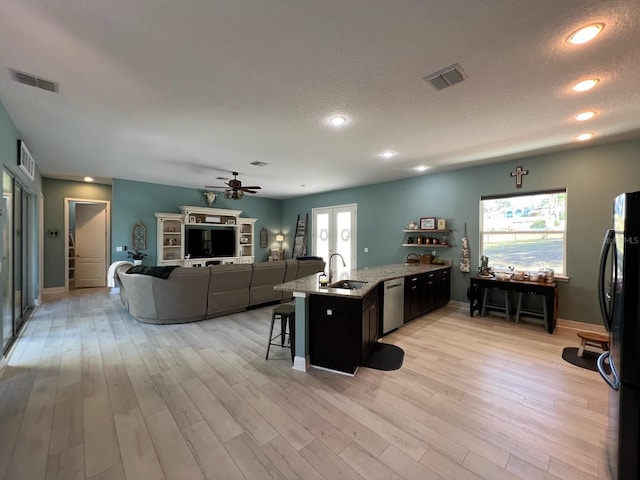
pixel 348 284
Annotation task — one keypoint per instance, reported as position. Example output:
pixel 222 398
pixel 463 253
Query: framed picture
pixel 428 223
pixel 442 224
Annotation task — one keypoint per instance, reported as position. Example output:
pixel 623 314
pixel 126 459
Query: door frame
pixel 67 202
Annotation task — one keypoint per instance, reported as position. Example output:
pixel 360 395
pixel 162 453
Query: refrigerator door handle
pixel 612 382
pixel 607 246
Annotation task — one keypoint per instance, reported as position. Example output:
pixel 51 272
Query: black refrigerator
pixel 619 295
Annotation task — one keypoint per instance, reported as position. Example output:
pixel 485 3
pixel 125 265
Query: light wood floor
pixel 91 393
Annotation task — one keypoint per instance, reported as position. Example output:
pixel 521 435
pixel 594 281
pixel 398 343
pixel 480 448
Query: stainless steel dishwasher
pixel 393 310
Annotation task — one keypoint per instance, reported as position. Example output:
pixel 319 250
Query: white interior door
pixel 91 245
pixel 334 231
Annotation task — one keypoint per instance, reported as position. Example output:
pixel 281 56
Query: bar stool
pixel 287 314
pixel 544 314
pixel 506 308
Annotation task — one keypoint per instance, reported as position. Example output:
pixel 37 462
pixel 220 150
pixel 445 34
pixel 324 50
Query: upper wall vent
pixel 446 77
pixel 33 81
pixel 259 164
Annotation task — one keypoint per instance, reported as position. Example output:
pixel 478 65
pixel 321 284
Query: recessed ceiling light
pixel 581 117
pixel 421 168
pixel 88 179
pixel 388 154
pixel 585 34
pixel 338 120
pixel 585 85
pixel 585 136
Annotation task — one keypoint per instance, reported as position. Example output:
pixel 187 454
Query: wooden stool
pixel 592 339
pixel 287 314
pixel 506 308
pixel 544 314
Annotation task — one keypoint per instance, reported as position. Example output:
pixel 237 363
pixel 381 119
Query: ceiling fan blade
pixel 248 191
pixel 253 187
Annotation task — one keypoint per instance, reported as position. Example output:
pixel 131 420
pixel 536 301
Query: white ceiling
pixel 182 92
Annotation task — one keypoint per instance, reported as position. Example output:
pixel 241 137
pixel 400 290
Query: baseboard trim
pixel 457 304
pixel 49 291
pixel 574 326
pixel 301 363
pixel 3 364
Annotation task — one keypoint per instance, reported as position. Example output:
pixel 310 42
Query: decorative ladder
pixel 300 238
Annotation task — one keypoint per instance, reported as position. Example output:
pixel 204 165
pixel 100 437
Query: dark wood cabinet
pixel 413 297
pixel 341 330
pixel 370 324
pixel 426 292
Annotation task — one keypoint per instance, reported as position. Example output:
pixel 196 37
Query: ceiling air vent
pixel 259 164
pixel 446 77
pixel 34 81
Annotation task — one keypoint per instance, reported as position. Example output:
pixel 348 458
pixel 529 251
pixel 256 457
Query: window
pixel 526 232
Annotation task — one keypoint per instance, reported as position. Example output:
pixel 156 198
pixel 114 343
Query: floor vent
pixel 446 77
pixel 33 81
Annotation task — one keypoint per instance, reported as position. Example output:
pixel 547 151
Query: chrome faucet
pixel 330 258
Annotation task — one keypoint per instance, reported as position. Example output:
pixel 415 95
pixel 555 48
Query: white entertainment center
pixel 172 235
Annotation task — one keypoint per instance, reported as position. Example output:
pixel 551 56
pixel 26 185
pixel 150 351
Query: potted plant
pixel 137 256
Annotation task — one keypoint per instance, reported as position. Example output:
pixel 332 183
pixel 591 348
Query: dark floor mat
pixel 588 359
pixel 385 357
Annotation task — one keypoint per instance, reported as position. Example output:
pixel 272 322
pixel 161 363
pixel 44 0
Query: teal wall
pixel 593 176
pixel 137 201
pixel 55 191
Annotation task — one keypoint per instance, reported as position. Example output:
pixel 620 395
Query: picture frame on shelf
pixel 442 224
pixel 428 223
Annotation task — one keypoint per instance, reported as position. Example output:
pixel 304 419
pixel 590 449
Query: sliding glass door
pixel 7 260
pixel 16 253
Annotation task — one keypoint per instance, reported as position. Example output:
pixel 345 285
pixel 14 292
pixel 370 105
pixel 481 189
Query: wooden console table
pixel 548 290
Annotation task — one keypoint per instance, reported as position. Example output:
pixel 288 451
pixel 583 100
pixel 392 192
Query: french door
pixel 335 231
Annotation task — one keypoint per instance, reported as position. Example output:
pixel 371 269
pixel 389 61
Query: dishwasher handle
pixel 389 287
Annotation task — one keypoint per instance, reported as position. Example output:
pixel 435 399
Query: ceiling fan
pixel 234 189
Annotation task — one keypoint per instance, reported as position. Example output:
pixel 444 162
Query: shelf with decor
pixel 246 238
pixel 170 227
pixel 427 240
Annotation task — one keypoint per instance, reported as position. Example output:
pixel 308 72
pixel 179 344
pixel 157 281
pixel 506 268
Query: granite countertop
pixel 373 276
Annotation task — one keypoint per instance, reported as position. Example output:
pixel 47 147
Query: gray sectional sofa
pixel 197 293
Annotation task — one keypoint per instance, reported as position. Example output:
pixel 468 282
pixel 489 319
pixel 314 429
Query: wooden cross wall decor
pixel 519 173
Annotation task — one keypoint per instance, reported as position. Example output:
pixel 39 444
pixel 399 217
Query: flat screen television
pixel 208 241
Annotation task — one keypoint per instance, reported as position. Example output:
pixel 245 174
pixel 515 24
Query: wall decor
pixel 263 237
pixel 428 223
pixel 26 163
pixel 139 236
pixel 442 224
pixel 519 173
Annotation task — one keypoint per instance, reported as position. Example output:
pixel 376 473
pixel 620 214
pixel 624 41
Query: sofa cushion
pixel 266 275
pixel 290 273
pixel 310 266
pixel 229 290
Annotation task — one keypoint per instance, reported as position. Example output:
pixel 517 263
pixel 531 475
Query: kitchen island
pixel 335 326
